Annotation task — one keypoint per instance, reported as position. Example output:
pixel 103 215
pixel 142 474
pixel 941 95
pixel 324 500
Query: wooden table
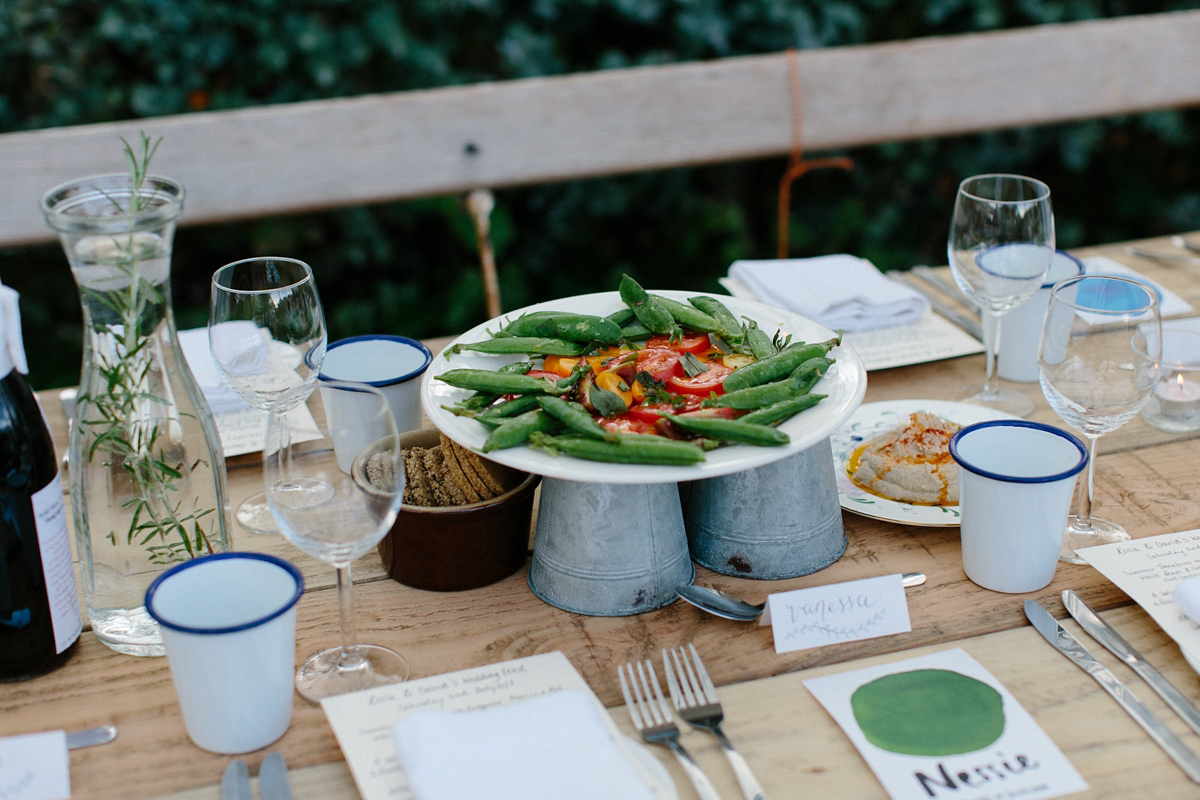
pixel 1145 479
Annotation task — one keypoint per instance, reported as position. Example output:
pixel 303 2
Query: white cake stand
pixel 610 538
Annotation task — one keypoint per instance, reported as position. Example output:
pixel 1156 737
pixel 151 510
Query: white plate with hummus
pixel 873 419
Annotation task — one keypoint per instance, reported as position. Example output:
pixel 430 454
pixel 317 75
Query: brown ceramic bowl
pixel 451 548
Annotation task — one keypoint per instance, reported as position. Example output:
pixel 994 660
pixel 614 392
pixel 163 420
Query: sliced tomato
pixel 695 344
pixel 561 366
pixel 660 362
pixel 703 384
pixel 627 423
pixel 723 413
pixel 541 373
pixel 650 412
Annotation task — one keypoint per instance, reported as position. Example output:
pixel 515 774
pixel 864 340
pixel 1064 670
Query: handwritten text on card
pixel 841 612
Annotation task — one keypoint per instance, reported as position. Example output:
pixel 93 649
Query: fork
pixel 652 717
pixel 696 700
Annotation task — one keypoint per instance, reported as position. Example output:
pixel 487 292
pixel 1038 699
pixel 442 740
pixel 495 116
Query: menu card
pixel 362 721
pixel 1147 570
pixel 838 612
pixel 941 726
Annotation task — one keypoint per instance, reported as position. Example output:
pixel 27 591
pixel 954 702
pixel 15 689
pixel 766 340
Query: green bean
pixel 727 324
pixel 648 310
pixel 625 450
pixel 730 430
pixel 687 316
pixel 574 416
pixel 481 400
pixel 622 316
pixel 572 327
pixel 776 366
pixel 533 345
pixel 783 410
pixel 516 430
pixel 635 331
pixel 811 371
pixel 758 342
pixel 765 394
pixel 485 380
pixel 509 408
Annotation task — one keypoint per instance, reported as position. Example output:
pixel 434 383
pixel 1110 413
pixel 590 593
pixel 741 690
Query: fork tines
pixel 694 687
pixel 646 710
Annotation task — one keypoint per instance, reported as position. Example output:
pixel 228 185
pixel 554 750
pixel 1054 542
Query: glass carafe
pixel 147 475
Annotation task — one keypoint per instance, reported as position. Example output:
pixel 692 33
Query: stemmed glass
pixel 267 335
pixel 338 518
pixel 1000 246
pixel 1098 363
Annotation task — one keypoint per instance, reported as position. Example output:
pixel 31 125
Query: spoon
pixel 729 606
pixel 1182 243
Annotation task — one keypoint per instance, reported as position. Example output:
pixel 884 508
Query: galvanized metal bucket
pixel 609 550
pixel 777 521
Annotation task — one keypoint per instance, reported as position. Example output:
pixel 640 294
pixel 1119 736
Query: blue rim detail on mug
pixel 1020 423
pixel 374 337
pixel 1063 254
pixel 254 623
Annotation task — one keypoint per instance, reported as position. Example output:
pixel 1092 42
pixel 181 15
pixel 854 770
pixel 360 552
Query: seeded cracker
pixel 476 464
pixel 418 480
pixel 456 474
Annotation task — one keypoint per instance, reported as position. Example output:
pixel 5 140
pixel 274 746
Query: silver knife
pixel 273 778
pixel 235 783
pixel 102 734
pixel 1103 633
pixel 1169 258
pixel 1068 645
pixel 968 324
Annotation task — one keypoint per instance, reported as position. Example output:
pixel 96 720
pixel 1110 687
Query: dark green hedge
pixel 411 267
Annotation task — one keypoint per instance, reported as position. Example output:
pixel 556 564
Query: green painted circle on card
pixel 928 712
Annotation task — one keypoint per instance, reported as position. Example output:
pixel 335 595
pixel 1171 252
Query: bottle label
pixel 50 513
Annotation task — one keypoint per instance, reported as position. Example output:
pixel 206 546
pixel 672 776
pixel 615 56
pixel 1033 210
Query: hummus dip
pixel 911 463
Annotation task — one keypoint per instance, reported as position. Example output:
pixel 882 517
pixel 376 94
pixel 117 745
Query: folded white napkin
pixel 551 747
pixel 1186 597
pixel 220 397
pixel 842 292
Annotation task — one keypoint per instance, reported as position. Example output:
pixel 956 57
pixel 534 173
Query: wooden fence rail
pixel 329 153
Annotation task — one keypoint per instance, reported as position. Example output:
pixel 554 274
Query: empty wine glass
pixel 338 518
pixel 267 335
pixel 1000 246
pixel 1098 363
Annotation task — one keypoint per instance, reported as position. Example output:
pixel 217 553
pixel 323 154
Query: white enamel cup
pixel 393 365
pixel 229 626
pixel 1021 328
pixel 1015 484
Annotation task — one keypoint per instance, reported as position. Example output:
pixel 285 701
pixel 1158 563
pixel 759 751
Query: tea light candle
pixel 1177 396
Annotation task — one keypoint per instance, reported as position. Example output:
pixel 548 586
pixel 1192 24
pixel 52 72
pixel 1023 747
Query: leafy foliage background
pixel 412 268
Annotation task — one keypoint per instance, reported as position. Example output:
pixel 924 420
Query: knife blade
pixel 1068 645
pixel 1104 633
pixel 101 734
pixel 235 783
pixel 273 778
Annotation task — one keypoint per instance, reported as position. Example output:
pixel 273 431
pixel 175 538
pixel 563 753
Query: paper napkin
pixel 842 292
pixel 543 748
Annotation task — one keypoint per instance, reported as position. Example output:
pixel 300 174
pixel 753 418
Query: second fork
pixel 695 699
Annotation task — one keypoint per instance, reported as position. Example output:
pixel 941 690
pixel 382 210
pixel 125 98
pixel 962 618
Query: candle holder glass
pixel 1175 404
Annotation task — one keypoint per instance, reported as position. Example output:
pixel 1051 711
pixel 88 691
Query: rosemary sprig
pixel 125 431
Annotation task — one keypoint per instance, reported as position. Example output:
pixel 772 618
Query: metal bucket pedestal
pixel 607 549
pixel 777 521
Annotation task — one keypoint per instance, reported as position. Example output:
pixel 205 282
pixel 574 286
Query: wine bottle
pixel 40 617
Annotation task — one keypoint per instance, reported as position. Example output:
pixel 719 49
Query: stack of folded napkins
pixel 544 748
pixel 842 292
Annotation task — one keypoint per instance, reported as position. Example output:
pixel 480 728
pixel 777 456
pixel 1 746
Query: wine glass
pixel 1098 363
pixel 267 335
pixel 338 522
pixel 1000 246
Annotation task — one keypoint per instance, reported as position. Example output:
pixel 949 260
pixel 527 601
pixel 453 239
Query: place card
pixel 840 612
pixel 941 726
pixel 35 767
pixel 362 721
pixel 1147 570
